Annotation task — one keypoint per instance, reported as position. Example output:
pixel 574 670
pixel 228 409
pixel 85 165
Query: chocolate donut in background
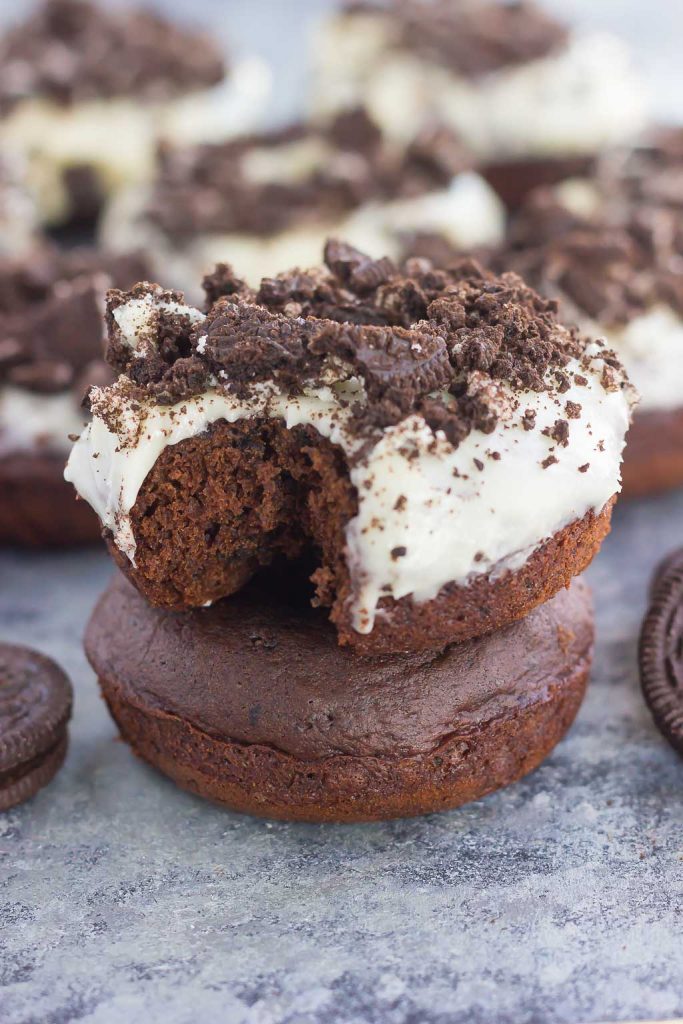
pixel 85 77
pixel 534 100
pixel 51 352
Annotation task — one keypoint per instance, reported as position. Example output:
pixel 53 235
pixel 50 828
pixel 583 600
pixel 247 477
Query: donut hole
pixel 217 507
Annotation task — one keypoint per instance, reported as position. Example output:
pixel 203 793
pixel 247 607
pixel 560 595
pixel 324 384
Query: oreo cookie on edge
pixel 35 707
pixel 661 651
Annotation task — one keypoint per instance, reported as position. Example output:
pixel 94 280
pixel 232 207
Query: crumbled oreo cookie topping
pixel 470 37
pixel 208 189
pixel 51 307
pixel 71 51
pixel 611 267
pixel 650 173
pixel 449 345
pixel 619 260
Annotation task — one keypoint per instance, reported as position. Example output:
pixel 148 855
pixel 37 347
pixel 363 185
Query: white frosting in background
pixel 119 136
pixel 650 345
pixel 30 421
pixel 581 196
pixel 230 108
pixel 651 348
pixel 18 213
pixel 579 100
pixel 288 163
pixel 467 213
pixel 456 520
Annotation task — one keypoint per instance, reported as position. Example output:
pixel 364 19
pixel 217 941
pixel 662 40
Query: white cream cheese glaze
pixel 651 348
pixel 18 212
pixel 30 422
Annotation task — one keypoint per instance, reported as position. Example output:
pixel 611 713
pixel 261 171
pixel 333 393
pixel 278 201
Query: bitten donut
pixel 535 101
pixel 252 703
pixel 51 351
pixel 447 448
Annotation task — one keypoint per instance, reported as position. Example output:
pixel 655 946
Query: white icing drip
pixel 428 514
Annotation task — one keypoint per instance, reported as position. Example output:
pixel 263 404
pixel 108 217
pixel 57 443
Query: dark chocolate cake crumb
pixel 72 51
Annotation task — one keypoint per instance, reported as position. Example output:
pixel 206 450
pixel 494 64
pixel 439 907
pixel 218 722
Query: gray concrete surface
pixel 558 900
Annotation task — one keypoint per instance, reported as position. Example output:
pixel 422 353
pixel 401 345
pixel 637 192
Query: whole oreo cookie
pixel 35 706
pixel 661 650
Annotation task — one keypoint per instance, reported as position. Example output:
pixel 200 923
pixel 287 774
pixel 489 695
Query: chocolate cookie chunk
pixel 35 706
pixel 661 651
pixel 253 704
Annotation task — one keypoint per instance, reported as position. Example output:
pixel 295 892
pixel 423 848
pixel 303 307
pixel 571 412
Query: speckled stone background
pixel 560 900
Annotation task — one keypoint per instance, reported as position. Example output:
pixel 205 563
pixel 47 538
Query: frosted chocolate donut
pixel 534 100
pixel 609 250
pixel 87 92
pixel 51 352
pixel 270 200
pixel 447 448
pixel 253 704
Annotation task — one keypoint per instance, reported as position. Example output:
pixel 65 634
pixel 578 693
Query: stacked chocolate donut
pixel 346 506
